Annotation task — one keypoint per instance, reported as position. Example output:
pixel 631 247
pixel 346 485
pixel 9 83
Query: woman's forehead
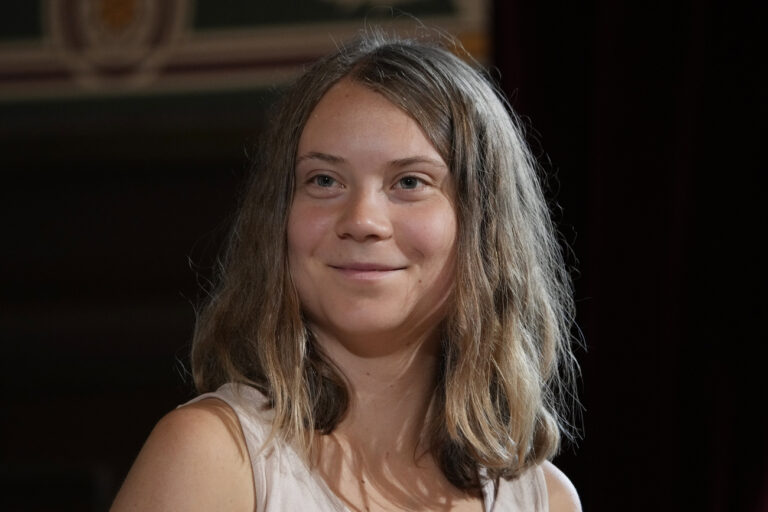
pixel 351 117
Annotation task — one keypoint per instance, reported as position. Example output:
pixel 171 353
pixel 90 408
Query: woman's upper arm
pixel 562 494
pixel 194 459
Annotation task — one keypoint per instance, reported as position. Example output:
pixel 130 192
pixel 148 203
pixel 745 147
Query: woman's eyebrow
pixel 316 155
pixel 411 160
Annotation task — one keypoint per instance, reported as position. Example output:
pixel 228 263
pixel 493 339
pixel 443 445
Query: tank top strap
pixel 281 478
pixel 526 493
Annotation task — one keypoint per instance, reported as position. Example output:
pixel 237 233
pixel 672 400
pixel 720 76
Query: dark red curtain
pixel 650 120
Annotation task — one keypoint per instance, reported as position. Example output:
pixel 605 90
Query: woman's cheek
pixel 307 226
pixel 431 233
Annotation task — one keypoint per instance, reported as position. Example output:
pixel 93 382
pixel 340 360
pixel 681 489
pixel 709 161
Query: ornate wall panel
pixel 65 48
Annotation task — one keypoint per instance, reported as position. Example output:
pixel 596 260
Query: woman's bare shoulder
pixel 194 459
pixel 562 494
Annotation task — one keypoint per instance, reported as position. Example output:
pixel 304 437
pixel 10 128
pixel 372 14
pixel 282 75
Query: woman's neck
pixel 378 457
pixel 389 394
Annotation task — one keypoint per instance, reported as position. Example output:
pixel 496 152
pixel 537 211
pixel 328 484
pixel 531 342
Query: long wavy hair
pixel 506 364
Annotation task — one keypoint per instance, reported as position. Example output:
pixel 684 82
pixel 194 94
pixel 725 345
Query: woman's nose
pixel 365 217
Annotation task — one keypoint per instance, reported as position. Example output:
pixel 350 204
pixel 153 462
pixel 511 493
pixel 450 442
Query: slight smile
pixel 365 271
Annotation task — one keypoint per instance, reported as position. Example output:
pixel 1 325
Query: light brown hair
pixel 506 362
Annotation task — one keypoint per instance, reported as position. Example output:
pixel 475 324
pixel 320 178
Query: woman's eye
pixel 409 182
pixel 323 180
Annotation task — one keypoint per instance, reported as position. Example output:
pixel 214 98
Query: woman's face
pixel 372 227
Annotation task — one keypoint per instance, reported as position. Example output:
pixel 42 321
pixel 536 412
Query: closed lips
pixel 366 267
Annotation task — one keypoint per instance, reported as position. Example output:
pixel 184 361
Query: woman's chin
pixel 371 337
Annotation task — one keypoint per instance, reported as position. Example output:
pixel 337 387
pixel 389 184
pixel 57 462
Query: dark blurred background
pixel 117 186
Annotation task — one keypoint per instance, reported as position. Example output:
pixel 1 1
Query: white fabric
pixel 282 481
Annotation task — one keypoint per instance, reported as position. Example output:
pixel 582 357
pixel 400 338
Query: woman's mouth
pixel 366 271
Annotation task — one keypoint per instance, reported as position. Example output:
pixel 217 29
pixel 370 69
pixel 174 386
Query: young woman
pixel 390 328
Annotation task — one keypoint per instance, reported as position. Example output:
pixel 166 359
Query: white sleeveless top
pixel 283 481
